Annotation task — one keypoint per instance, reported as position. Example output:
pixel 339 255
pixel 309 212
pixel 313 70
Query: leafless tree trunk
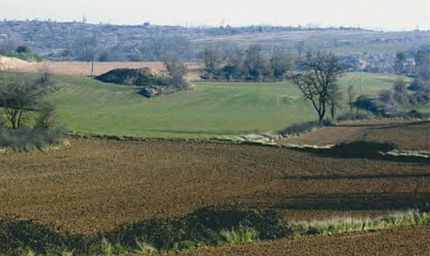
pixel 318 82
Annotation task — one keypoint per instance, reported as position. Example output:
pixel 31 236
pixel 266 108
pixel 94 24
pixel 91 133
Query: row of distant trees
pixel 248 65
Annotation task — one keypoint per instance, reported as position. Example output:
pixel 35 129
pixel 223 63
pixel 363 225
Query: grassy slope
pixel 211 109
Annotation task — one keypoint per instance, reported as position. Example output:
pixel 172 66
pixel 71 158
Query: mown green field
pixel 211 109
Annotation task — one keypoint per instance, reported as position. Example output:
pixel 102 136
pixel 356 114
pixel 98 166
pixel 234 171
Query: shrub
pixel 143 247
pixel 184 245
pixel 353 116
pixel 24 138
pixel 305 127
pixel 240 235
pixel 348 225
pixel 361 148
pixel 300 128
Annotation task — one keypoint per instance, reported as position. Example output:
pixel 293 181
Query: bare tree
pixel 319 80
pixel 176 70
pixel 334 99
pixel 211 59
pixel 300 46
pixel 255 64
pixel 21 96
pixel 280 63
pixel 93 56
pixel 351 97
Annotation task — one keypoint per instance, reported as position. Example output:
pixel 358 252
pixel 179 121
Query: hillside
pixel 73 40
pixel 211 109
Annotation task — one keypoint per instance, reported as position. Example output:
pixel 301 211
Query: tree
pixel 351 97
pixel 300 47
pixel 255 63
pixel 235 67
pixel 422 64
pixel 280 64
pixel 176 70
pixel 19 97
pixel 319 80
pixel 400 61
pixel 334 99
pixel 387 97
pixel 400 92
pixel 23 49
pixel 211 59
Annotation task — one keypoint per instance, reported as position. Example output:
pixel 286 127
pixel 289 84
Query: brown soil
pixel 399 241
pixel 407 135
pixel 99 184
pixel 81 68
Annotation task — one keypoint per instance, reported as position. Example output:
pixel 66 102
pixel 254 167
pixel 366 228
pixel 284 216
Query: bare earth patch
pixel 406 135
pixel 399 241
pixel 99 184
pixel 81 68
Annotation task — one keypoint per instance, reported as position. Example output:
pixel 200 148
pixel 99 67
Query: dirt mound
pixel 128 76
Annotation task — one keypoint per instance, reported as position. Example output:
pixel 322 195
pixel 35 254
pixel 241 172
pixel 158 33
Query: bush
pixel 240 235
pixel 353 116
pixel 299 128
pixel 24 138
pixel 361 149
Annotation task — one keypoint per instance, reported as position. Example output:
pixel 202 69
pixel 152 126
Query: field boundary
pixel 257 140
pixel 140 237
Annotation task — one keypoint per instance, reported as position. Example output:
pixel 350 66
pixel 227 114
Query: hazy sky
pixel 380 14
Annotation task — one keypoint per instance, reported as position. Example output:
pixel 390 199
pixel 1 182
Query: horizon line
pixel 310 25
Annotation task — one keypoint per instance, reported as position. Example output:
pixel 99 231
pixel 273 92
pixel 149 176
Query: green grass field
pixel 211 109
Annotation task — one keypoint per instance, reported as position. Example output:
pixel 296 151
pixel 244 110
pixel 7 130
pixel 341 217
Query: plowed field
pixel 399 241
pixel 99 184
pixel 406 135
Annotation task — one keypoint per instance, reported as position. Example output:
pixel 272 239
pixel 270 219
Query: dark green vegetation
pixel 22 52
pixel 210 109
pixel 138 77
pixel 248 65
pixel 206 226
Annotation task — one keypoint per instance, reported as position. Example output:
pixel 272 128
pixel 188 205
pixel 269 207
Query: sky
pixel 374 14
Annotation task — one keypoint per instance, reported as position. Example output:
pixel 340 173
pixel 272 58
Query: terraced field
pixel 97 185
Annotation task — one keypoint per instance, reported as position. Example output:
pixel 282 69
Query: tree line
pixel 244 65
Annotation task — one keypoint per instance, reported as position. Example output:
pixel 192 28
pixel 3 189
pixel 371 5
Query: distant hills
pixel 75 40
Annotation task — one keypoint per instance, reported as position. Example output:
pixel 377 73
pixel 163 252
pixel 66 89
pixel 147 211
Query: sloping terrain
pixel 97 185
pixel 406 135
pixel 211 109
